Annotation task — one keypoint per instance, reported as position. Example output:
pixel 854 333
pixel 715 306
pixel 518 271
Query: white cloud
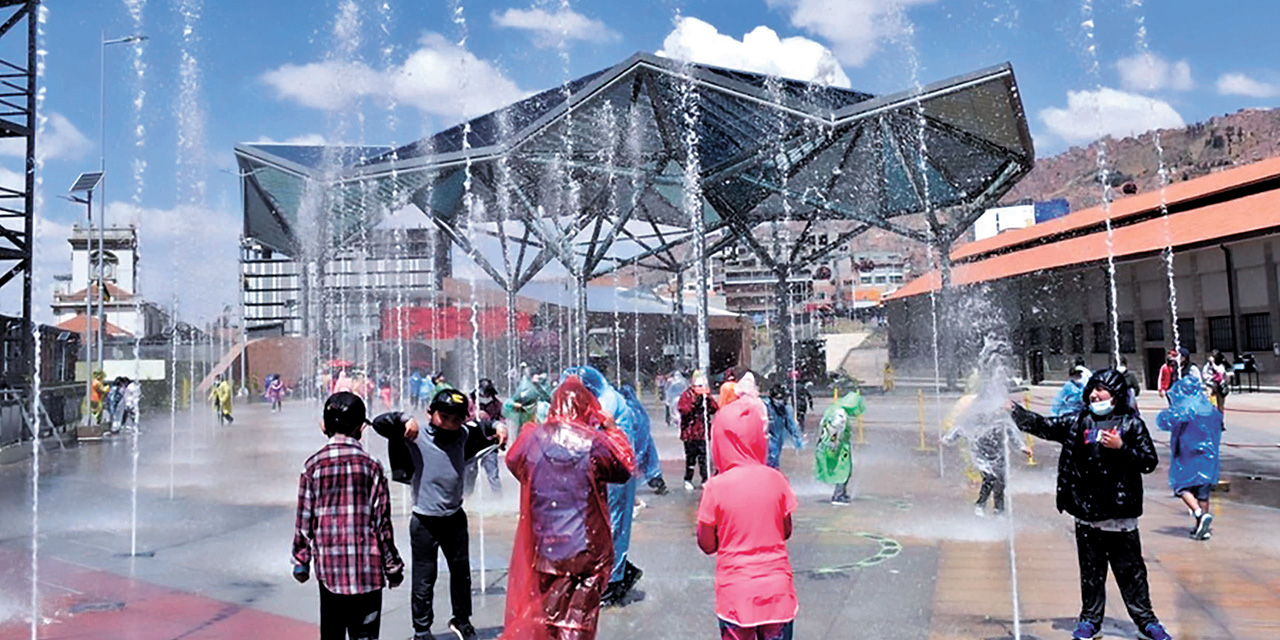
pixel 550 28
pixel 1239 84
pixel 1092 114
pixel 60 139
pixel 204 273
pixel 1150 72
pixel 761 51
pixel 854 28
pixel 306 139
pixel 438 78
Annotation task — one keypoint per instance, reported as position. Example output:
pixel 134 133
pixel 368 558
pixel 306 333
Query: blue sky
pixel 215 73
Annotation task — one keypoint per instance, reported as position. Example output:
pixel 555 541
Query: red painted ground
pixel 149 612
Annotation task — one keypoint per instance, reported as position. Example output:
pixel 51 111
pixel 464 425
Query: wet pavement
pixel 908 559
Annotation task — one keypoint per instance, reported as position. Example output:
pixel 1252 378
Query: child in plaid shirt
pixel 344 522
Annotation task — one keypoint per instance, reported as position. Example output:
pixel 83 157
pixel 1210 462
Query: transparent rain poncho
pixel 833 456
pixel 647 462
pixel 522 407
pixel 622 496
pixel 1195 428
pixel 563 550
pixel 671 397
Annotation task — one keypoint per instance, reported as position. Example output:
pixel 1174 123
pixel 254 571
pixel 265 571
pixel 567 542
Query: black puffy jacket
pixel 1096 483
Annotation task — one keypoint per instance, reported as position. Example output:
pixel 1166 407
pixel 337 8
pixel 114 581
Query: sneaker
pixel 462 629
pixel 1202 526
pixel 688 486
pixel 979 511
pixel 1086 630
pixel 1154 631
pixel 841 500
pixel 1207 535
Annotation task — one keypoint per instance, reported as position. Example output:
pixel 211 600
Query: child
pixel 344 523
pixel 977 417
pixel 696 409
pixel 1105 450
pixel 833 454
pixel 744 518
pixel 781 424
pixel 562 556
pixel 1196 435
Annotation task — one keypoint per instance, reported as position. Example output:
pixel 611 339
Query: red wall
pixel 447 323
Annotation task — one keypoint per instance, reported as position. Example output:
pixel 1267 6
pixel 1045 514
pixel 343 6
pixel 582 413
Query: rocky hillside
pixel 1222 142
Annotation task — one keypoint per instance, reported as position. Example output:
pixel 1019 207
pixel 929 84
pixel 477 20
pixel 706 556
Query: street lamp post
pixel 102 192
pixel 85 184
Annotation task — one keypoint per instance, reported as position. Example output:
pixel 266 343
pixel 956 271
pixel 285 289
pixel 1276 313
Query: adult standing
pixel 432 459
pixel 563 551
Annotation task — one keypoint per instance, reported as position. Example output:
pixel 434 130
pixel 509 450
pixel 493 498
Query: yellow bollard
pixel 920 413
pixel 862 439
pixel 1031 442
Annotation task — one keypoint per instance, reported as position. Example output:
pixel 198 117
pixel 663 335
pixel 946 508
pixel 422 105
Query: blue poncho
pixel 1195 428
pixel 622 497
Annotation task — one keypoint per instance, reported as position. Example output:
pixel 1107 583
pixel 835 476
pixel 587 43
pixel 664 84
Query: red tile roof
pixel 76 325
pixel 1174 194
pixel 114 294
pixel 1232 219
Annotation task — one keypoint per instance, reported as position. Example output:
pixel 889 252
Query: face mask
pixel 1102 407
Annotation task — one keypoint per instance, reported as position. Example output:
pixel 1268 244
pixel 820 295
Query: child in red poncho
pixel 745 519
pixel 563 551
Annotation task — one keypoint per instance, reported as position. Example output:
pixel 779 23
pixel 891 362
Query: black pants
pixel 1122 550
pixel 991 484
pixel 695 454
pixel 357 616
pixel 427 536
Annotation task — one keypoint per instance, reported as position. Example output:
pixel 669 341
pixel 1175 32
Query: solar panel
pixel 87 181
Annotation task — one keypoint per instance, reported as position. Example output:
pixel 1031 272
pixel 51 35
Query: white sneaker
pixel 688 486
pixel 979 511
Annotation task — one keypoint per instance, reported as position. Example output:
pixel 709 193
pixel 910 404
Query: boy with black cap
pixel 1106 449
pixel 432 460
pixel 344 524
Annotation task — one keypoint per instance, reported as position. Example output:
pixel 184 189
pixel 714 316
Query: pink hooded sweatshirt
pixel 747 503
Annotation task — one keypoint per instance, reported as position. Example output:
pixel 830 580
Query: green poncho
pixel 522 406
pixel 833 457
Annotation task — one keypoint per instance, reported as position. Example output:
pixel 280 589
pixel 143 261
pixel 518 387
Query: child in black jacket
pixel 1105 450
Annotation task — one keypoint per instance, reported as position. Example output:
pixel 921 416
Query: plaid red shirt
pixel 344 519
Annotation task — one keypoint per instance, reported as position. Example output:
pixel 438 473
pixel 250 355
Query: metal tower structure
pixel 18 120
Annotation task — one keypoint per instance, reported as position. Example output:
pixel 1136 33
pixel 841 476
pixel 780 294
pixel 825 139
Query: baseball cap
pixel 451 402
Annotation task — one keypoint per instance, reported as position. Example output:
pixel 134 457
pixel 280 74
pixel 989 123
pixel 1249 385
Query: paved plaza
pixel 907 560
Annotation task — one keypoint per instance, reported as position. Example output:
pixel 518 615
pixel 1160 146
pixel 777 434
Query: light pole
pixel 102 167
pixel 85 184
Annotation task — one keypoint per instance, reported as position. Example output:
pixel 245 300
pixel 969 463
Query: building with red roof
pixel 1047 287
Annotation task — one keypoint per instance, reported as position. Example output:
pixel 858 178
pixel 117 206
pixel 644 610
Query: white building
pixel 127 316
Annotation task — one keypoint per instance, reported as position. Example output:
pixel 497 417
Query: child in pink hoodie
pixel 745 519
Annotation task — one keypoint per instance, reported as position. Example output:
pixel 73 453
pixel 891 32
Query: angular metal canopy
pixel 620 166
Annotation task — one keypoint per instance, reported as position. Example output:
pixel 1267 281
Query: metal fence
pixel 61 409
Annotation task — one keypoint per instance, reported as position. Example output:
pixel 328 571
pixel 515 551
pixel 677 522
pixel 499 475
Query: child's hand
pixel 1111 439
